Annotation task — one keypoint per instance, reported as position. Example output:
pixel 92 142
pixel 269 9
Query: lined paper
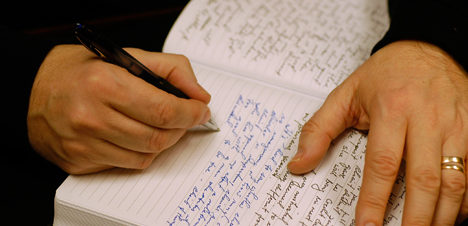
pixel 236 176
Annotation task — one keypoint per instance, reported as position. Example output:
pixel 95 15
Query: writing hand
pixel 87 115
pixel 413 100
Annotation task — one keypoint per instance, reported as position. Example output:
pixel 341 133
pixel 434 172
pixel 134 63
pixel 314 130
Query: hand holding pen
pixel 88 115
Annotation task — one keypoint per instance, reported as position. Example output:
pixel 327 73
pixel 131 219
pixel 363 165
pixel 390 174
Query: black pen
pixel 105 48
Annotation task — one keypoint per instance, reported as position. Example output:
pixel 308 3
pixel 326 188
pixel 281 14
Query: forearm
pixel 439 22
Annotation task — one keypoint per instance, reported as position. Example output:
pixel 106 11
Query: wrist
pixel 425 54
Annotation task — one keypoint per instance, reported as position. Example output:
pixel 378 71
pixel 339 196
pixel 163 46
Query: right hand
pixel 86 115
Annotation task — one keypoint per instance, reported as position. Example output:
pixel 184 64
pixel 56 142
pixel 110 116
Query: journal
pixel 269 65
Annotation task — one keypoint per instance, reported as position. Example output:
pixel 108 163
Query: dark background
pixel 133 23
pixel 29 30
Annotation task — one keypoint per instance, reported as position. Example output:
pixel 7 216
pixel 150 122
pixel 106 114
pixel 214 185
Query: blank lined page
pixel 310 46
pixel 238 175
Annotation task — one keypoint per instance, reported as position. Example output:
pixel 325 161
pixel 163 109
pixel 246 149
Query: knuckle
pixel 396 102
pixel 74 154
pixel 384 165
pixel 73 169
pixel 453 186
pixel 183 59
pixel 102 81
pixel 68 167
pixel 144 161
pixel 96 78
pixel 82 120
pixel 163 113
pixel 419 220
pixel 373 201
pixel 157 141
pixel 401 97
pixel 74 150
pixel 425 179
pixel 312 127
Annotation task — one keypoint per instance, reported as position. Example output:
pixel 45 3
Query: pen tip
pixel 211 125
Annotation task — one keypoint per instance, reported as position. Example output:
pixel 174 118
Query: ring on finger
pixel 453 162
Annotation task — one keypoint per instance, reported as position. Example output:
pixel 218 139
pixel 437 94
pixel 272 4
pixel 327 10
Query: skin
pixel 87 115
pixel 412 98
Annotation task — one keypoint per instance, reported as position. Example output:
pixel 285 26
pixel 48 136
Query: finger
pixel 133 135
pixel 91 168
pixel 452 185
pixel 385 145
pixel 112 155
pixel 145 103
pixel 423 176
pixel 463 213
pixel 89 154
pixel 324 126
pixel 176 69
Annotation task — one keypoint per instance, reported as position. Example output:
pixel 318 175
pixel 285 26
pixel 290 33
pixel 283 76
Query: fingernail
pixel 206 117
pixel 292 166
pixel 202 89
pixel 298 156
pixel 205 93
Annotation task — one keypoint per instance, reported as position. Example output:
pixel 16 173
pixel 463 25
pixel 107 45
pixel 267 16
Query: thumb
pixel 336 114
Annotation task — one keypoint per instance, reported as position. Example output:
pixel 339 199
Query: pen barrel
pixel 122 58
pixel 160 83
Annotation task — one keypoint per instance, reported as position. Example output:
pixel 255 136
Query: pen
pixel 105 48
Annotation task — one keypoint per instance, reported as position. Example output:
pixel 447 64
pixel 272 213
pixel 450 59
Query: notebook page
pixel 236 176
pixel 306 45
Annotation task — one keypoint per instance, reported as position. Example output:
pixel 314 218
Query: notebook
pixel 269 65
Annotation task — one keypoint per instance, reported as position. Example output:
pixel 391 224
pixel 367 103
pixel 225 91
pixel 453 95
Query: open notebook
pixel 268 65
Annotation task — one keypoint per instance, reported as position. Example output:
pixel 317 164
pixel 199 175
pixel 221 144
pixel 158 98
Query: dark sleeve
pixel 440 22
pixel 29 181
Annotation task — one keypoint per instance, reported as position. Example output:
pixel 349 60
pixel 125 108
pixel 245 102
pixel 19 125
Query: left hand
pixel 412 97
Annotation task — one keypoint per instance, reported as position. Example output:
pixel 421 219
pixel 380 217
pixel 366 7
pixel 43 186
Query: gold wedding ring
pixel 453 162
